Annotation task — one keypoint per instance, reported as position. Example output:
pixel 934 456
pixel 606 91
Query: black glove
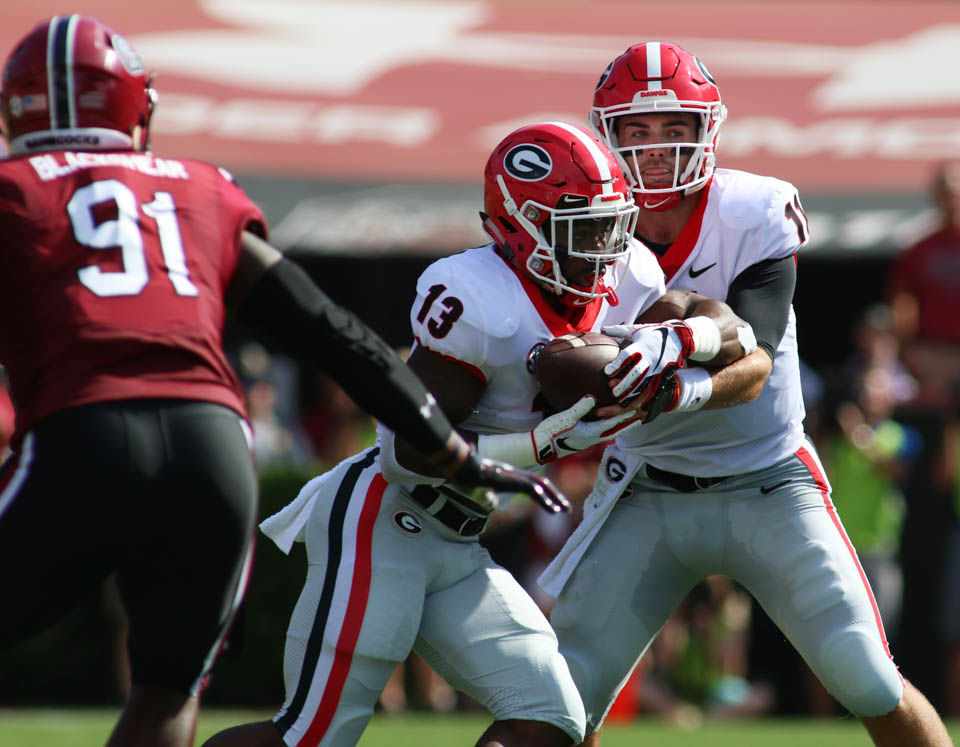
pixel 504 478
pixel 660 394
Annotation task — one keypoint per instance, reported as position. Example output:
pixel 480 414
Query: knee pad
pixel 857 670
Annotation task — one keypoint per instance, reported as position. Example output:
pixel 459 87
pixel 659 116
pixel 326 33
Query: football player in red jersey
pixel 131 452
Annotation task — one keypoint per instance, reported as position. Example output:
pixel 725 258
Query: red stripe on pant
pixel 353 620
pixel 813 465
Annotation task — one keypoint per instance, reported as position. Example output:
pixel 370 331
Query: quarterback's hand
pixel 500 477
pixel 661 393
pixel 654 348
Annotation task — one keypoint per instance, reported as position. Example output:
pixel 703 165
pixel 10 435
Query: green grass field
pixel 89 728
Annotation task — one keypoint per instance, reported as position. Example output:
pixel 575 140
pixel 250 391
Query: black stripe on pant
pixel 334 554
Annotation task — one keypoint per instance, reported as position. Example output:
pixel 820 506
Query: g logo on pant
pixel 407 523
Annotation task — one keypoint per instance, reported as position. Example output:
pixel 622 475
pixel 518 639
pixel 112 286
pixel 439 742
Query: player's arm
pixel 680 304
pixel 722 341
pixel 761 295
pixel 279 301
pixel 457 391
pixel 680 327
pixel 739 371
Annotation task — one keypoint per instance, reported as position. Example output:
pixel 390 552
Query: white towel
pixel 286 526
pixel 617 469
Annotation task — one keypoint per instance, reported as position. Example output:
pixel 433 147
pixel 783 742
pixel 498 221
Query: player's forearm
pixel 731 327
pixel 740 381
pixel 676 304
pixel 289 312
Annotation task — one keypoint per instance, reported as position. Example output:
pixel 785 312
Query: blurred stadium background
pixel 361 127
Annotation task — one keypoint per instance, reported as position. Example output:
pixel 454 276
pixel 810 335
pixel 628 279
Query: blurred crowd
pixel 886 421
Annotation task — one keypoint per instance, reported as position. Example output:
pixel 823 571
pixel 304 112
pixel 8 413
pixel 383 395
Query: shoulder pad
pixel 746 200
pixel 768 208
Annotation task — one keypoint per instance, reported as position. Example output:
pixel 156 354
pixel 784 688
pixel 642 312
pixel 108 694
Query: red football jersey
pixel 113 269
pixel 930 272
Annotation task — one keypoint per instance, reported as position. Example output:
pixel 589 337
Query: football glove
pixel 654 349
pixel 492 477
pixel 555 436
pixel 660 393
pixel 587 433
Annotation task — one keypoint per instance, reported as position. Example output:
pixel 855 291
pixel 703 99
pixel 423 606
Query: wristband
pixel 706 338
pixel 748 341
pixel 696 387
pixel 513 448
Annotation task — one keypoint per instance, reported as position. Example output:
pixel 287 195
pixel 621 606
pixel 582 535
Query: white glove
pixel 587 433
pixel 655 347
pixel 555 436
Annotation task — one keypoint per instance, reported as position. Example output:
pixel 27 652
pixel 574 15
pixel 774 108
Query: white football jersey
pixel 472 307
pixel 746 219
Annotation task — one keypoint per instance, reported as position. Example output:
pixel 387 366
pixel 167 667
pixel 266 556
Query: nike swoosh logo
pixel 764 489
pixel 663 346
pixel 562 444
pixel 698 273
pixel 651 205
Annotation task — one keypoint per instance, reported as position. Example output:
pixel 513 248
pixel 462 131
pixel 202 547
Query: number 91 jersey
pixel 113 269
pixel 475 309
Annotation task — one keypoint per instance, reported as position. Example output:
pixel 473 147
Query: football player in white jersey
pixel 394 559
pixel 730 486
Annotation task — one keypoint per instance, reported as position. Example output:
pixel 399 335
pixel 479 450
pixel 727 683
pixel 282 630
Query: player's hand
pixel 660 394
pixel 653 348
pixel 587 433
pixel 548 435
pixel 499 477
pixel 548 440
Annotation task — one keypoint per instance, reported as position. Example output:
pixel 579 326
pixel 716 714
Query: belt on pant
pixel 444 505
pixel 683 483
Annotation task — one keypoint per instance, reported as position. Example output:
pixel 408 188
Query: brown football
pixel 570 366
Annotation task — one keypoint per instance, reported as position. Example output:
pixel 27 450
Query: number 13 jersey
pixel 113 267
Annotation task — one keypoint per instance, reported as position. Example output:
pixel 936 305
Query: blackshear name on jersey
pixel 54 165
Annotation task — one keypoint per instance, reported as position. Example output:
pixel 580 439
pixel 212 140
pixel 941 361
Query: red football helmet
pixel 74 83
pixel 660 77
pixel 553 191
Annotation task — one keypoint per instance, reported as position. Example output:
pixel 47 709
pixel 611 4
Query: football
pixel 570 366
